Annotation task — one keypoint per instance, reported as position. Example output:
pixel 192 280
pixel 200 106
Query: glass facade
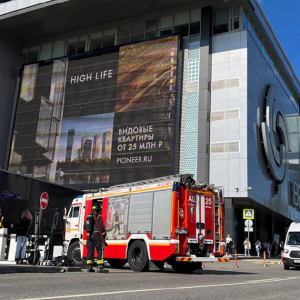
pixel 186 23
pixel 269 55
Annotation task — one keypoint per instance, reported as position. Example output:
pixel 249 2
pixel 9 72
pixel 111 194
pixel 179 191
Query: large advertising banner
pixel 103 118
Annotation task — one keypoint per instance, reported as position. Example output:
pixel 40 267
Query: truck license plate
pixel 297 261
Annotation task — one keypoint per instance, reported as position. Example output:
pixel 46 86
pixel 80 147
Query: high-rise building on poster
pixel 87 148
pixel 108 141
pixel 97 146
pixel 70 144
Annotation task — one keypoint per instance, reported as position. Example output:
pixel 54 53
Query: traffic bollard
pixel 202 265
pixel 281 258
pixel 235 256
pixel 12 248
pixel 3 239
pixel 265 262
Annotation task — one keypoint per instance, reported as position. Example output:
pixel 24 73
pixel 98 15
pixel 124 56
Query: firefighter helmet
pixel 97 207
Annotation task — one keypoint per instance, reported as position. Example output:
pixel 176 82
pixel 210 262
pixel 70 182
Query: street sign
pixel 248 214
pixel 249 229
pixel 10 195
pixel 248 223
pixel 44 200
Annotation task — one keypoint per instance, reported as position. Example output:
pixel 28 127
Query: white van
pixel 291 252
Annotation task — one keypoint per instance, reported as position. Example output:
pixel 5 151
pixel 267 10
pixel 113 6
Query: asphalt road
pixel 216 281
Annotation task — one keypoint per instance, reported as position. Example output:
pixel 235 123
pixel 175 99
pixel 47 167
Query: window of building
pixel 58 49
pixel 125 31
pixel 33 54
pixel 124 40
pixel 138 28
pixel 235 15
pixel 25 53
pixel 95 41
pixel 166 32
pixel 71 46
pixel 194 42
pixel 183 18
pixel 166 22
pixel 221 20
pixel 82 44
pixel 195 15
pixel 151 25
pixel 46 51
pixel 150 35
pixel 137 37
pixel 195 28
pixel 109 38
pixel 183 30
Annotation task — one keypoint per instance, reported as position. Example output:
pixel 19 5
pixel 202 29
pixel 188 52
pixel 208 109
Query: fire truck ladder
pixel 217 245
pixel 177 177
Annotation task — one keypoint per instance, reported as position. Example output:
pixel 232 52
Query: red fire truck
pixel 170 219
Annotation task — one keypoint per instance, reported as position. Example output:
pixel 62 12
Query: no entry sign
pixel 44 200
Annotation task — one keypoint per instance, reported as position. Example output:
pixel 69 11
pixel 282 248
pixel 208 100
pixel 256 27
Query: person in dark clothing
pixel 232 247
pixel 117 222
pixel 1 219
pixel 94 239
pixel 22 233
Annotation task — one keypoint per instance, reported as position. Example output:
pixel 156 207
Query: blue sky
pixel 284 18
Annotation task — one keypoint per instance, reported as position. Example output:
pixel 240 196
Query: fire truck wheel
pixel 117 263
pixel 138 257
pixel 74 252
pixel 185 267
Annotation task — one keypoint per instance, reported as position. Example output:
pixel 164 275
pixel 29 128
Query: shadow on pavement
pixel 211 272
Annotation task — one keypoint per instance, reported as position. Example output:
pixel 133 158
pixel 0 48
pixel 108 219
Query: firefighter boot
pixel 100 269
pixel 90 269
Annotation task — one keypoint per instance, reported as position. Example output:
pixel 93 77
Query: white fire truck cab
pixel 170 219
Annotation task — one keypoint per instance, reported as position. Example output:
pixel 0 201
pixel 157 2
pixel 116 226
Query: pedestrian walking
pixel 274 248
pixel 247 247
pixel 269 249
pixel 22 233
pixel 228 244
pixel 1 219
pixel 281 246
pixel 257 247
pixel 233 247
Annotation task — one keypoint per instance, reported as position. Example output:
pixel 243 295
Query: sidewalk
pixel 10 268
pixel 242 256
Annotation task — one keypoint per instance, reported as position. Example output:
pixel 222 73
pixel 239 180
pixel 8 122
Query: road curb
pixel 37 269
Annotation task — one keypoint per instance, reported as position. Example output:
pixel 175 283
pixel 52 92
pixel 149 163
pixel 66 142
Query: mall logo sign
pixel 274 140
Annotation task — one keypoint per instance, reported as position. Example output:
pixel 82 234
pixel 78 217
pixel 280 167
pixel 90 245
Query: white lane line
pixel 160 289
pixel 270 279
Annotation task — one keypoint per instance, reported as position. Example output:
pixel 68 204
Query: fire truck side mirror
pixel 200 226
pixel 65 213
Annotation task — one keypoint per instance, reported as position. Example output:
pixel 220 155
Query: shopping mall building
pixel 101 92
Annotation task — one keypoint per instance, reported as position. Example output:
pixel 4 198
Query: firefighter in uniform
pixel 117 222
pixel 94 239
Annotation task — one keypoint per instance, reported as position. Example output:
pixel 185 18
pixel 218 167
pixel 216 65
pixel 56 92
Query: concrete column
pixel 229 217
pixel 204 95
pixel 10 53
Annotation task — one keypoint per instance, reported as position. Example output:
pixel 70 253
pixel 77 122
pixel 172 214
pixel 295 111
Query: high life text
pixel 105 74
